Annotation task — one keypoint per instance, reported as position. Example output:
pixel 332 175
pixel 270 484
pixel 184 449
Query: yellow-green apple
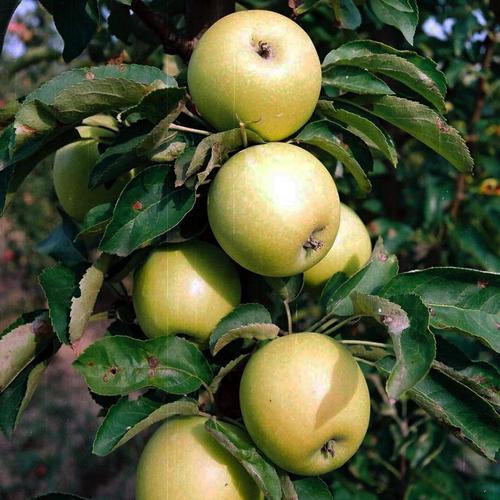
pixel 274 209
pixel 185 288
pixel 182 461
pixel 305 403
pixel 73 164
pixel 350 251
pixel 259 68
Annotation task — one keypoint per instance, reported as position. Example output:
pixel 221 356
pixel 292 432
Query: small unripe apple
pixel 305 403
pixel 73 165
pixel 256 67
pixel 351 250
pixel 182 461
pixel 274 209
pixel 186 288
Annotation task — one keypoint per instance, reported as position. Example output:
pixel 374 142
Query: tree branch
pixel 171 41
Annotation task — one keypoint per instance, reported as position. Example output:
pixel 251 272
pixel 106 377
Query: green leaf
pixel 83 99
pixel 312 488
pixel 60 243
pixel 155 105
pixel 16 397
pixel 416 72
pixel 406 22
pixel 59 284
pixel 347 14
pixel 121 156
pixel 380 269
pixel 424 124
pixel 148 207
pixel 214 386
pixel 127 418
pixel 118 365
pixel 464 299
pixel 287 288
pixel 13 170
pixel 321 135
pixel 262 472
pixel 249 321
pixel 407 321
pixel 82 306
pixel 470 418
pixel 362 127
pixel 65 14
pixel 218 146
pixel 402 5
pixel 353 79
pixel 96 220
pixel 137 73
pixel 435 483
pixel 20 343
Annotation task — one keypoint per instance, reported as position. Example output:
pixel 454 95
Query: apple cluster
pixel 274 210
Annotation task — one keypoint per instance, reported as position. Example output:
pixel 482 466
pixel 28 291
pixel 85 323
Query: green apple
pixel 185 288
pixel 182 461
pixel 256 67
pixel 350 251
pixel 73 164
pixel 305 403
pixel 274 209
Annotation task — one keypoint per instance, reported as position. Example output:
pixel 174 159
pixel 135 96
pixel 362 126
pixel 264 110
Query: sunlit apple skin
pixel 300 393
pixel 267 202
pixel 230 82
pixel 350 251
pixel 182 461
pixel 73 164
pixel 186 288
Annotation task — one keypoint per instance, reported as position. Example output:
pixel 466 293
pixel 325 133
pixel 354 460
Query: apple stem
pixel 174 126
pixel 288 317
pixel 365 342
pixel 328 448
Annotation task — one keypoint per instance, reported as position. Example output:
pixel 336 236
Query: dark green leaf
pixel 287 288
pixel 60 243
pixel 406 22
pixel 262 472
pixel 250 321
pixel 416 72
pixel 69 14
pixel 353 79
pixel 96 220
pixel 425 125
pixel 347 14
pixel 380 269
pixel 16 397
pixel 312 488
pixel 470 418
pixel 362 127
pixel 464 299
pixel 148 207
pixel 155 105
pixel 121 156
pixel 118 365
pixel 321 135
pixel 126 418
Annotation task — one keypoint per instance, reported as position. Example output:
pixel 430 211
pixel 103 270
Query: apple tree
pixel 215 164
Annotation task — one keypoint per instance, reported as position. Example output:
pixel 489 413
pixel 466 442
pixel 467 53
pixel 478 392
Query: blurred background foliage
pixel 427 212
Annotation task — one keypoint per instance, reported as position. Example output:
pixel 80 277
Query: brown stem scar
pixel 328 448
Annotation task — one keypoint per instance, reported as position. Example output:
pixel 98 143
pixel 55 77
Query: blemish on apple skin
pixel 105 378
pixel 328 448
pixel 113 370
